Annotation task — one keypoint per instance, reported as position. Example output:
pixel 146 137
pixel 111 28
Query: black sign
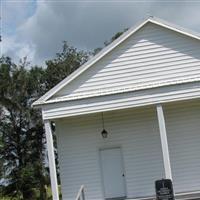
pixel 164 189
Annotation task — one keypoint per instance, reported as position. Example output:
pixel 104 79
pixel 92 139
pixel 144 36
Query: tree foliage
pixel 64 64
pixel 22 139
pixel 22 144
pixel 106 43
pixel 21 127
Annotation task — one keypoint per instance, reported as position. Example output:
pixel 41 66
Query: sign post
pixel 164 189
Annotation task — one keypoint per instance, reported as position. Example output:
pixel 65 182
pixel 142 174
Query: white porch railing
pixel 81 193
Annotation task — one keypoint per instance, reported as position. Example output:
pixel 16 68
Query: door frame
pixel 101 168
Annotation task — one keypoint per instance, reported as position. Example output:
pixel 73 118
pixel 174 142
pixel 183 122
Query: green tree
pixel 66 62
pixel 106 43
pixel 21 128
pixel 22 141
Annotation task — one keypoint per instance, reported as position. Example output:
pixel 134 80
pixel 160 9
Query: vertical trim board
pixel 164 142
pixel 51 159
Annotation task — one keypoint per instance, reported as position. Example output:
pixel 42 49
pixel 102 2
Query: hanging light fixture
pixel 104 133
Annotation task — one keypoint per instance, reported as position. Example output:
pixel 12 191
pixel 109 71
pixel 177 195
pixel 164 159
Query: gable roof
pixel 44 99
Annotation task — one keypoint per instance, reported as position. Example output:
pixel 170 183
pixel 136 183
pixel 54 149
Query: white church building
pixel 128 117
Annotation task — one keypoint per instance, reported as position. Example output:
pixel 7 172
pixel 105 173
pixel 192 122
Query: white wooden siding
pixel 183 129
pixel 135 131
pixel 153 55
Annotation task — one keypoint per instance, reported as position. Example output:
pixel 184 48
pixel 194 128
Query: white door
pixel 113 173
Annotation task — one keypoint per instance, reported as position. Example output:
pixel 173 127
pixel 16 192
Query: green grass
pixel 49 195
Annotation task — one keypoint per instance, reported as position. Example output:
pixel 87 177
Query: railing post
pixel 164 142
pixel 83 194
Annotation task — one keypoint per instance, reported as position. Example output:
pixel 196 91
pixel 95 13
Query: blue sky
pixel 15 13
pixel 36 28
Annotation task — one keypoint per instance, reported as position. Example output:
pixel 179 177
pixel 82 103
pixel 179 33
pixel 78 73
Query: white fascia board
pixel 42 100
pixel 154 96
pixel 175 28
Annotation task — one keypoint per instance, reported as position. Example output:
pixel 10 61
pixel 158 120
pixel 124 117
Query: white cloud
pixel 17 50
pixel 87 25
pixel 14 14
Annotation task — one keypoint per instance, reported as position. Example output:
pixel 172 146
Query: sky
pixel 36 28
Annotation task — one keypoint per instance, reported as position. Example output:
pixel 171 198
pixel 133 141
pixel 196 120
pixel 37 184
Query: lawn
pixel 49 196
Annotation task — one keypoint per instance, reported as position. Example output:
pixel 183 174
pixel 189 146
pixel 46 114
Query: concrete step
pixel 182 196
pixel 188 196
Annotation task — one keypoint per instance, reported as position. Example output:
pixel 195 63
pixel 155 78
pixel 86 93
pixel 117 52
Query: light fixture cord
pixel 102 120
